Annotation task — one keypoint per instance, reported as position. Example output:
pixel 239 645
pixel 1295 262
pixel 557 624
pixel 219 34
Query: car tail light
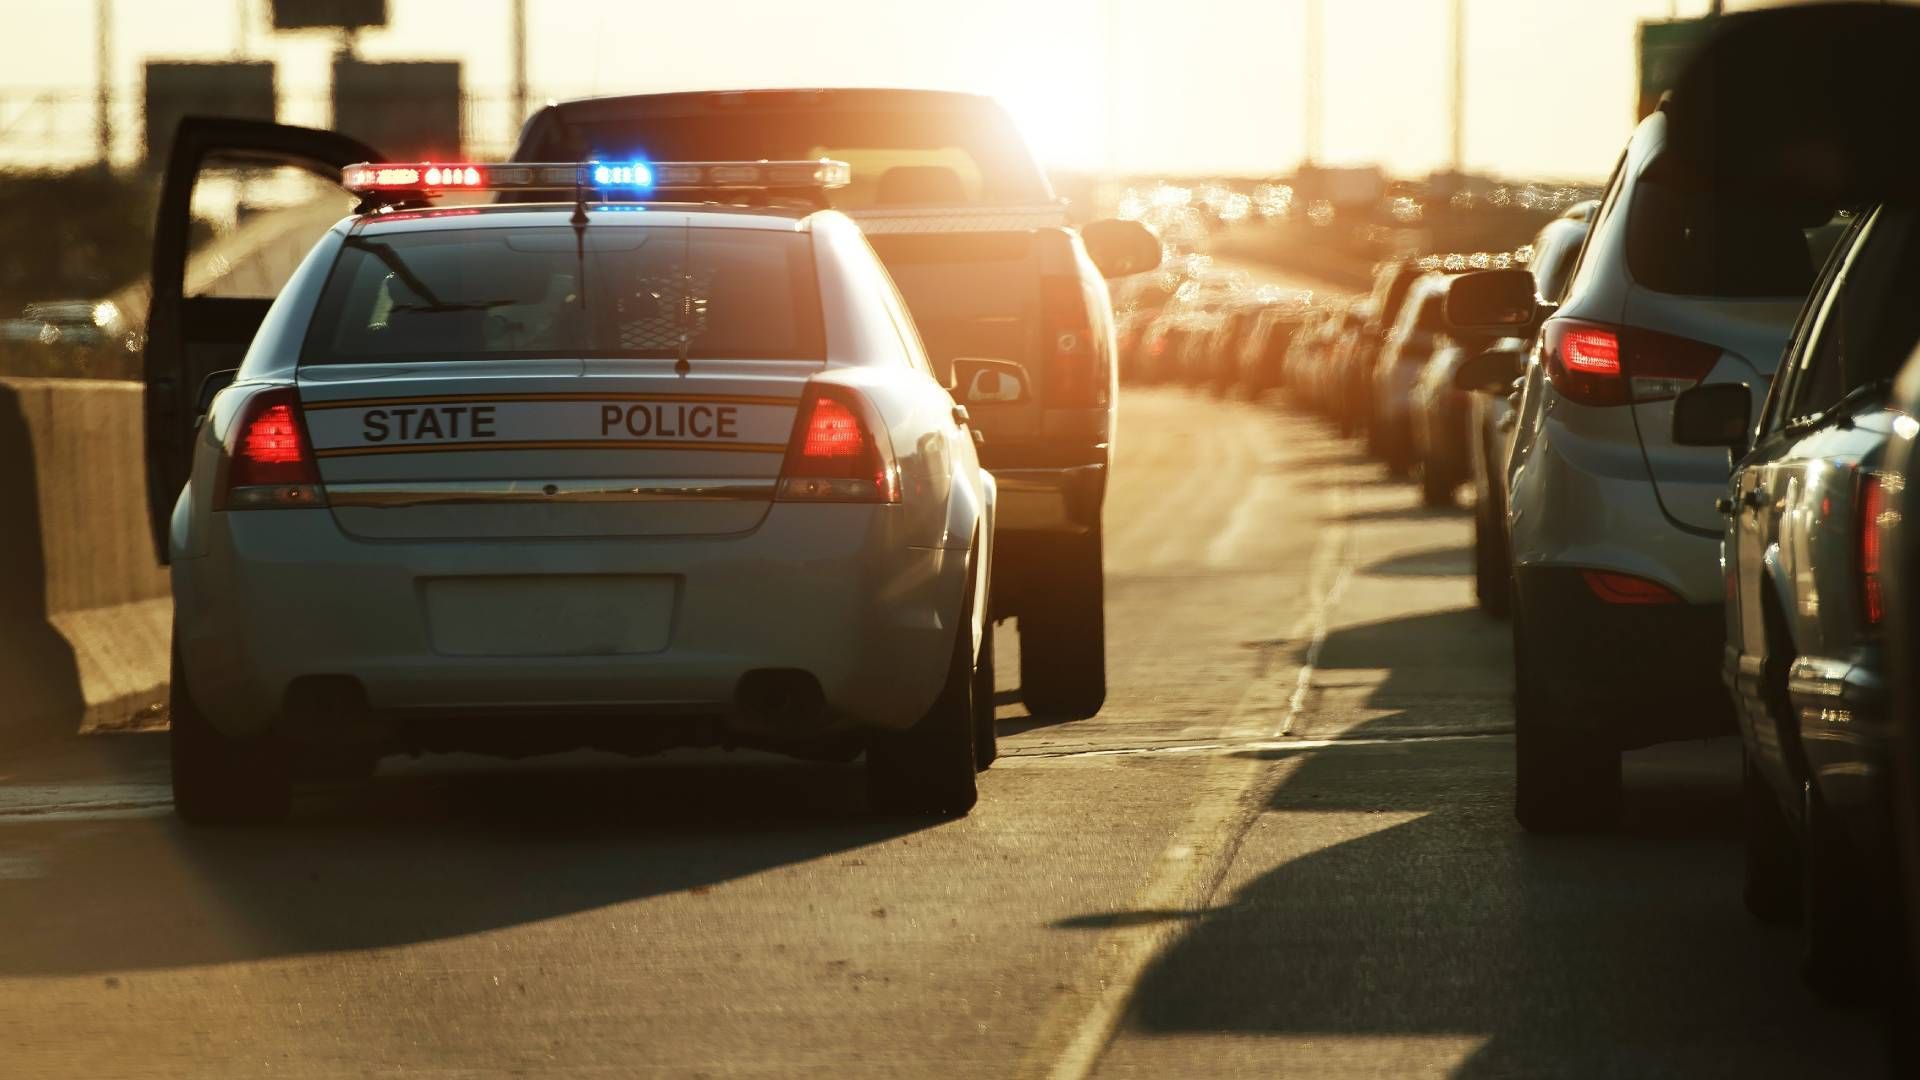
pixel 1596 364
pixel 839 451
pixel 269 461
pixel 1873 506
pixel 1075 378
pixel 1614 588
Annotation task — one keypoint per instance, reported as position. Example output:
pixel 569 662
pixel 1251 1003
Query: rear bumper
pixel 828 590
pixel 1631 674
pixel 1053 500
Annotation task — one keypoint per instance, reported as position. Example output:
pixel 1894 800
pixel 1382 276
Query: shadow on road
pixel 418 856
pixel 1434 562
pixel 1399 899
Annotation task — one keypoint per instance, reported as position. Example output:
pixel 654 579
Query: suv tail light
pixel 1075 375
pixel 839 451
pixel 1873 506
pixel 1596 364
pixel 269 460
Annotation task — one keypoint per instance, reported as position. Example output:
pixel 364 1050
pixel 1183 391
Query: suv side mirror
pixel 1119 247
pixel 989 382
pixel 1491 304
pixel 1717 414
pixel 1489 372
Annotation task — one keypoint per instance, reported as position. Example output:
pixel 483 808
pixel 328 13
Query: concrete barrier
pixel 85 612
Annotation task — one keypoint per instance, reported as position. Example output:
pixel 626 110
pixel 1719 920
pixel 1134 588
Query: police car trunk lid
pixel 550 448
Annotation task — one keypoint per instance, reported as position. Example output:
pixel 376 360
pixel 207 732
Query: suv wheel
pixel 1771 886
pixel 929 767
pixel 1063 633
pixel 1563 782
pixel 1434 491
pixel 219 779
pixel 1490 570
pixel 1843 935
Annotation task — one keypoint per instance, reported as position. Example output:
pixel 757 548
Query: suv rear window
pixel 531 293
pixel 1692 241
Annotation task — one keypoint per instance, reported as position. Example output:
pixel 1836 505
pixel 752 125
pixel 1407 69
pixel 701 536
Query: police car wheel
pixel 986 735
pixel 218 779
pixel 1434 491
pixel 929 767
pixel 1063 633
pixel 1562 782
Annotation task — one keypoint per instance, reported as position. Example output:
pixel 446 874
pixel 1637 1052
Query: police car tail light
pixel 1595 364
pixel 270 462
pixel 1074 377
pixel 1873 512
pixel 839 451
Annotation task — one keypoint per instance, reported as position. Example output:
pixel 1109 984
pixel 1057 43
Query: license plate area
pixel 550 615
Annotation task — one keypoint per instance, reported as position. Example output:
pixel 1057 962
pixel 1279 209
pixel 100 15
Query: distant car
pixel 951 198
pixel 1261 365
pixel 1410 342
pixel 525 477
pixel 1618 599
pixel 1358 363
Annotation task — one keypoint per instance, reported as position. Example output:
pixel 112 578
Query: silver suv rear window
pixel 533 293
pixel 1692 241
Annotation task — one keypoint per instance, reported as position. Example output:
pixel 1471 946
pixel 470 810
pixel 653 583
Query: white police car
pixel 595 472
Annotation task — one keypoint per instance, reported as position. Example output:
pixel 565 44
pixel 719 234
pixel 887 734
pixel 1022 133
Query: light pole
pixel 518 40
pixel 1315 43
pixel 1459 86
pixel 103 107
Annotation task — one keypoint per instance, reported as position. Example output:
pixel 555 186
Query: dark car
pixel 982 252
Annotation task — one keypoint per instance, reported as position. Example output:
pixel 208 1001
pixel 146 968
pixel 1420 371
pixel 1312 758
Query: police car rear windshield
pixel 534 293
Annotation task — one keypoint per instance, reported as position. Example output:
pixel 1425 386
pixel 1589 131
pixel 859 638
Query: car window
pixel 1869 324
pixel 1691 240
pixel 497 293
pixel 1601 213
pixel 1785 384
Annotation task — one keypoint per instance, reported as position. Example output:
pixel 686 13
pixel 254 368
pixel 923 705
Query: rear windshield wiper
pixel 1840 413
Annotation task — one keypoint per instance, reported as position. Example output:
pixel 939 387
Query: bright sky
pixel 1137 85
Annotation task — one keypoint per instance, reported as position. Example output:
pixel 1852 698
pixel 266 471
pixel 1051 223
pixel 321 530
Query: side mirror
pixel 1120 247
pixel 210 388
pixel 1717 414
pixel 1489 372
pixel 1491 304
pixel 990 382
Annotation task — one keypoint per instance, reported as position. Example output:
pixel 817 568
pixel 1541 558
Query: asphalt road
pixel 1284 849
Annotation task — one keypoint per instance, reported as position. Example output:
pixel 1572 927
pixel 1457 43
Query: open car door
pixel 241 204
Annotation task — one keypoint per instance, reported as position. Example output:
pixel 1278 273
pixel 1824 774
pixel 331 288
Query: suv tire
pixel 1562 782
pixel 1063 634
pixel 1844 936
pixel 1771 880
pixel 219 779
pixel 1491 575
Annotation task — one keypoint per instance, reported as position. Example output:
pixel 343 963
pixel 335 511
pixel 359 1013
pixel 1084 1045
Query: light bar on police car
pixel 432 178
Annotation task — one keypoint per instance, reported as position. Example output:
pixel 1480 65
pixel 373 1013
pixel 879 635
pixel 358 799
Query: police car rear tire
pixel 929 767
pixel 219 779
pixel 986 734
pixel 1063 633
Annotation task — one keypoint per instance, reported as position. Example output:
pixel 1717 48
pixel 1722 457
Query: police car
pixel 609 471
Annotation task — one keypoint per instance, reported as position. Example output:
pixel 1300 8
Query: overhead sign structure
pixel 176 90
pixel 408 110
pixel 1664 48
pixel 328 14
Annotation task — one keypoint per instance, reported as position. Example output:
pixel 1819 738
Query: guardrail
pixel 85 613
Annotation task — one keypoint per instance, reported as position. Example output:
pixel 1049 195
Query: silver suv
pixel 1618 596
